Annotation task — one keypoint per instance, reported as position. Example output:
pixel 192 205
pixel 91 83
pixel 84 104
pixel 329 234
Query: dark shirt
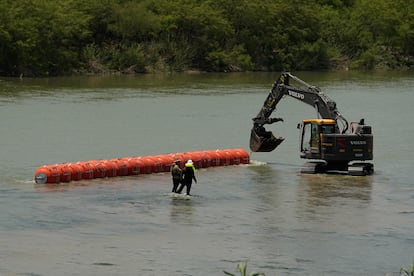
pixel 189 175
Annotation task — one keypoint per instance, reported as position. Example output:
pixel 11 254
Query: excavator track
pixel 361 169
pixel 321 166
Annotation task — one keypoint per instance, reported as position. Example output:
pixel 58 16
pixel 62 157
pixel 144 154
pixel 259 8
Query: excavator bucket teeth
pixel 264 144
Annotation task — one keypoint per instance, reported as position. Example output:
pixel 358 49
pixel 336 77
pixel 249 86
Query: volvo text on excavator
pixel 330 142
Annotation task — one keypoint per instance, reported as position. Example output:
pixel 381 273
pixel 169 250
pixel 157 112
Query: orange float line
pixel 82 170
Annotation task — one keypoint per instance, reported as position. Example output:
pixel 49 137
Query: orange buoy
pixel 122 167
pixel 65 172
pixel 223 158
pixel 229 157
pixel 91 169
pixel 214 158
pixel 145 165
pixel 166 162
pixel 243 155
pixel 110 168
pixel 47 174
pixel 196 158
pixel 76 171
pixel 205 159
pixel 158 163
pixel 184 156
pixel 99 169
pixel 179 156
pixel 154 164
pixel 236 157
pixel 133 165
pixel 87 170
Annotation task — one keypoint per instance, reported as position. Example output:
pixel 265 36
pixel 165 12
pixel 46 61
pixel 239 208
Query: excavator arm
pixel 264 141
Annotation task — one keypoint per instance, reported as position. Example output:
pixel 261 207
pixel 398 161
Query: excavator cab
pixel 311 137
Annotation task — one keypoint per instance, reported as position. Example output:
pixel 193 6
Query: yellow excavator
pixel 329 141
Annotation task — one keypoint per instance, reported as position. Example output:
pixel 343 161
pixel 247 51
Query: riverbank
pixel 337 65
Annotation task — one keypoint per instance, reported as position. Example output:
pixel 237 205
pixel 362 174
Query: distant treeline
pixel 56 37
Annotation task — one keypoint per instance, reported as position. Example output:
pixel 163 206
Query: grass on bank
pixel 405 272
pixel 242 267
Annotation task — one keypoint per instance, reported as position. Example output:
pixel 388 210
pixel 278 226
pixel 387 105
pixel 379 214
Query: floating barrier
pixel 125 166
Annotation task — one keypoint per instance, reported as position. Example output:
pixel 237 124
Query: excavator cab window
pixel 314 136
pixel 306 137
pixel 311 135
pixel 327 129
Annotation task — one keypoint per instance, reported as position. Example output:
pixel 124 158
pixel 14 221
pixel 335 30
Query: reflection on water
pixel 334 201
pixel 324 189
pixel 263 173
pixel 181 210
pixel 267 184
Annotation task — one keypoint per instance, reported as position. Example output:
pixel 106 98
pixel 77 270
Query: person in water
pixel 176 174
pixel 188 177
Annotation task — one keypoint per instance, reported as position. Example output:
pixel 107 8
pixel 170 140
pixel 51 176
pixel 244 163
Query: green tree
pixel 190 30
pixel 133 21
pixel 47 37
pixel 298 44
pixel 39 37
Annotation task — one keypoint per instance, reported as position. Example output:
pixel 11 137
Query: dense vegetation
pixel 53 37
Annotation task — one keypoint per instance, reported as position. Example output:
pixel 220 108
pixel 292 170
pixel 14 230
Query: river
pixel 266 213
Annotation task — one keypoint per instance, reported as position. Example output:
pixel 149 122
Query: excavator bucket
pixel 264 143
